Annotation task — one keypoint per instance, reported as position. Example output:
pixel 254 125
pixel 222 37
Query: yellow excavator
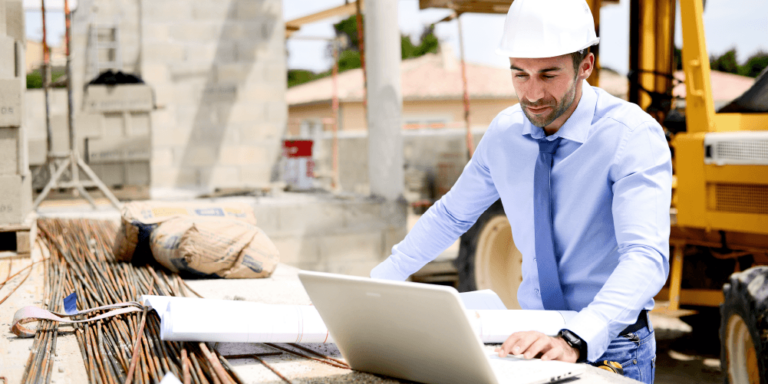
pixel 719 215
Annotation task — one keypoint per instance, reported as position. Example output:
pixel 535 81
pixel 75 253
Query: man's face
pixel 546 87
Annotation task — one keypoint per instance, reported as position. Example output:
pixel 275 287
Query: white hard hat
pixel 547 28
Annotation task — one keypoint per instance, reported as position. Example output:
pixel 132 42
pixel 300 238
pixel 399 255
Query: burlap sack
pixel 214 247
pixel 139 218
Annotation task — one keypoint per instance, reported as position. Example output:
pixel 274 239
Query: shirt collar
pixel 576 128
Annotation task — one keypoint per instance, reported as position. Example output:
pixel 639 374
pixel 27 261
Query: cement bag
pixel 139 218
pixel 214 247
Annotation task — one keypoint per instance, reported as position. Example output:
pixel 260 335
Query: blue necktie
pixel 546 262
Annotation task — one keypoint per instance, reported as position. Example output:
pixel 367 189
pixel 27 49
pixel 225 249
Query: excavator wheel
pixel 488 257
pixel 744 327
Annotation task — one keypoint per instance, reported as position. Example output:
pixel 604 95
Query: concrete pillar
pixel 385 99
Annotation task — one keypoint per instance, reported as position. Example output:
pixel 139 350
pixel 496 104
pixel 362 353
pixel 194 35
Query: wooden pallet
pixel 18 239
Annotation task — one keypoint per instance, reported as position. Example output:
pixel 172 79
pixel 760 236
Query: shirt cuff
pixel 387 270
pixel 593 330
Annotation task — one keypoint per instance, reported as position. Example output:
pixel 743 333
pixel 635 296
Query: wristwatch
pixel 574 342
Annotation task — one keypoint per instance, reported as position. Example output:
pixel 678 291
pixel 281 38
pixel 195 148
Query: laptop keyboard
pixel 513 369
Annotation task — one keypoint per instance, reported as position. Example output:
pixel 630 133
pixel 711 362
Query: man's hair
pixel 578 57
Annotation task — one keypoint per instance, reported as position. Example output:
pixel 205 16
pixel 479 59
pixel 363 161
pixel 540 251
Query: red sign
pixel 297 148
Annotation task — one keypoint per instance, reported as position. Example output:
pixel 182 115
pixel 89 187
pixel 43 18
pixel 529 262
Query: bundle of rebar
pixel 126 348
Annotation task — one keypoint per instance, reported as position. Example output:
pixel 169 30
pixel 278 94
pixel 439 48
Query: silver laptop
pixel 416 332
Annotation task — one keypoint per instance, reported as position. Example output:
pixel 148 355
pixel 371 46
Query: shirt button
pixel 534 259
pixel 536 290
pixel 634 361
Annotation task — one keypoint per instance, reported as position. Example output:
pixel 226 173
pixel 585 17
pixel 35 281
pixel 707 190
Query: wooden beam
pixel 478 6
pixel 342 10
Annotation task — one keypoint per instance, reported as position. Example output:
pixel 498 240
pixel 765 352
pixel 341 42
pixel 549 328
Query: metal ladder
pixel 96 46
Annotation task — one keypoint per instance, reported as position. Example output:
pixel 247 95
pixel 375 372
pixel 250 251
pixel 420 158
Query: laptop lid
pixel 406 330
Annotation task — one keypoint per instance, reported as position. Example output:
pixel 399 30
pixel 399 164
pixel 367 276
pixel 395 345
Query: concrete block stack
pixel 218 71
pixel 15 188
pixel 116 125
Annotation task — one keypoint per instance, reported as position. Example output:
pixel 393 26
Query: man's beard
pixel 542 121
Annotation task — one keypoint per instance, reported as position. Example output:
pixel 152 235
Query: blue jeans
pixel 636 352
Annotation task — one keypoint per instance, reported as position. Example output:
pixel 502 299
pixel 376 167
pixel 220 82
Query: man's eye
pixel 548 76
pixel 520 76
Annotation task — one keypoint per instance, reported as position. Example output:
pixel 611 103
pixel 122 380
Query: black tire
pixel 745 308
pixel 465 263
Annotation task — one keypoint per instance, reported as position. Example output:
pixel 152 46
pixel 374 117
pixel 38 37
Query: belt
pixel 642 322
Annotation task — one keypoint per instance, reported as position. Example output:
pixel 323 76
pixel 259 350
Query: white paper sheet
pixel 191 319
pixel 482 300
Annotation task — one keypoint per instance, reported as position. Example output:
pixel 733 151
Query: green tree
pixel 754 64
pixel 349 53
pixel 725 62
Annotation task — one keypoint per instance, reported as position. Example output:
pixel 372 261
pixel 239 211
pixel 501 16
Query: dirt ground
pixel 688 349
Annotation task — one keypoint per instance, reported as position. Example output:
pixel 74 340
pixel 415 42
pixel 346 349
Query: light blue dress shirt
pixel 611 190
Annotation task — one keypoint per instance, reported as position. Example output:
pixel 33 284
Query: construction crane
pixel 719 211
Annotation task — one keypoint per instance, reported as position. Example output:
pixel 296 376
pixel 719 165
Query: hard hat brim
pixel 542 54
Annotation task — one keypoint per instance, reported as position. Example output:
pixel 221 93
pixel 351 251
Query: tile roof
pixel 438 77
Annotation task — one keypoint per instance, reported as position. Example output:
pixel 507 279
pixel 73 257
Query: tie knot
pixel 547 146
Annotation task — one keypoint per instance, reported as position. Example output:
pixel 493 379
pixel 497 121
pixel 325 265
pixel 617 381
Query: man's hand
pixel 532 343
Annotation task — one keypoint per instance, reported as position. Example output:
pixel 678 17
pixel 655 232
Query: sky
pixel 742 24
pixel 728 23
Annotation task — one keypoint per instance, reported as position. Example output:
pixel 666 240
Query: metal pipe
pixel 470 143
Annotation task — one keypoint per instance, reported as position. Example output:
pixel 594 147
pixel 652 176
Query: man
pixel 585 180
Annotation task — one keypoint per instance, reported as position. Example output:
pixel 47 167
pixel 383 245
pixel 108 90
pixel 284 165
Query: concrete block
pixel 242 155
pixel 163 119
pixel 137 173
pixel 163 12
pixel 38 151
pixel 366 246
pixel 268 219
pixel 14 19
pixel 209 10
pixel 295 250
pixel 162 157
pixel 232 72
pixel 153 33
pixel 199 156
pixel 222 177
pixel 220 93
pixel 111 174
pixel 114 124
pixel 170 136
pixel 115 98
pixel 256 175
pixel 154 73
pixel 15 198
pixel 7 57
pixel 9 150
pixel 249 112
pixel 198 32
pixel 139 124
pixel 315 218
pixel 89 125
pixel 2 17
pixel 60 131
pixel 164 52
pixel 10 103
pixel 119 149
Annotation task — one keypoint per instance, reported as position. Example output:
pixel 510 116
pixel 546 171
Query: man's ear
pixel 587 66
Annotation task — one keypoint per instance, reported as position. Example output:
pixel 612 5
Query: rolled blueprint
pixel 190 319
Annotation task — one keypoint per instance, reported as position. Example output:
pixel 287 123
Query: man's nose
pixel 534 91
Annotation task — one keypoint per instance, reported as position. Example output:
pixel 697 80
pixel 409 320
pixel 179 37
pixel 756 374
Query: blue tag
pixel 70 304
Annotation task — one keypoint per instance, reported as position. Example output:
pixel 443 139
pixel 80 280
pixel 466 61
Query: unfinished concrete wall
pixel 218 71
pixel 325 233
